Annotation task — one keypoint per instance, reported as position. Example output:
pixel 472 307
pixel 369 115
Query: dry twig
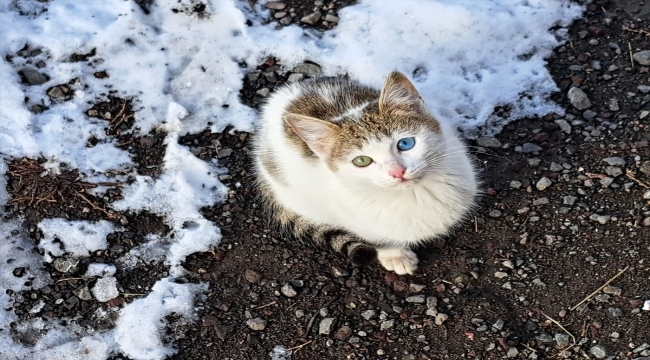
pixel 266 305
pixel 561 327
pixel 629 174
pixel 600 288
pixel 638 31
pixel 296 348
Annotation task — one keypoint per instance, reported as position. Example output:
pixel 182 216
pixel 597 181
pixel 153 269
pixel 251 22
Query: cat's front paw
pixel 401 261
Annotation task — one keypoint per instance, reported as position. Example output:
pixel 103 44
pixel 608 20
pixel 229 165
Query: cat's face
pixel 390 143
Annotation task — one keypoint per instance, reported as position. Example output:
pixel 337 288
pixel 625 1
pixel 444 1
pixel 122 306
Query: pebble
pixel 593 42
pixel 529 148
pixel 646 195
pixel 224 153
pixel 498 325
pixel 615 161
pixel 256 324
pixel 331 18
pixel 564 125
pixel 570 200
pixel 598 351
pixel 488 142
pixel 579 99
pixel 105 289
pixel 515 184
pixel 614 312
pixel 562 340
pixel 432 302
pixel 613 105
pixel 495 214
pixel 642 57
pixel 83 293
pixel 58 92
pixel 252 276
pixel 286 20
pixel 63 265
pixel 441 318
pixel 343 333
pixel 643 88
pixel 275 5
pixel 543 183
pixel 295 77
pixel 369 314
pixel 339 272
pixel 512 352
pixel 613 171
pixel 312 18
pixel 288 291
pixel 589 114
pixel 645 168
pixel 310 70
pixel 601 219
pixel 387 324
pixel 33 77
pixel 416 299
pixel 500 274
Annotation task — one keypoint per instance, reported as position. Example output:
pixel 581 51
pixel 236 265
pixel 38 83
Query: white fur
pixel 368 202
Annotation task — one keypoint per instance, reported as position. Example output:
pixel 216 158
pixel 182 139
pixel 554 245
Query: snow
pixel 184 73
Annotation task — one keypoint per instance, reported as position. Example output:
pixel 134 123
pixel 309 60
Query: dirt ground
pixel 566 207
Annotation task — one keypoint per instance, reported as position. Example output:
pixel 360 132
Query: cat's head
pixel 392 142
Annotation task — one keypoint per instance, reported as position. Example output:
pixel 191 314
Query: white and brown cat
pixel 364 171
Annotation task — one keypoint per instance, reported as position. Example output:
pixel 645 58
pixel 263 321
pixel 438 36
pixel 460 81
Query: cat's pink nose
pixel 397 172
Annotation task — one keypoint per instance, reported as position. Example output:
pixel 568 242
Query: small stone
pixel 515 184
pixel 338 272
pixel 312 18
pixel 310 70
pixel 500 274
pixel 286 20
pixel 564 125
pixel 288 291
pixel 570 200
pixel 252 276
pixel 331 18
pixel 646 195
pixel 343 333
pixel 643 88
pixel 512 352
pixel 224 153
pixel 589 114
pixel 614 312
pixel 56 93
pixel 615 161
pixel 275 5
pixel 263 92
pixel 529 148
pixel 607 181
pixel 63 265
pixel 369 314
pixel 33 77
pixel 498 325
pixel 538 282
pixel 83 293
pixel 645 168
pixel 488 142
pixel 562 340
pixel 613 171
pixel 593 42
pixel 386 324
pixel 543 184
pixel 105 289
pixel 613 104
pixel 579 99
pixel 295 77
pixel 416 288
pixel 256 324
pixel 417 299
pixel 432 302
pixel 441 318
pixel 495 213
pixel 598 351
pixel 642 57
pixel 601 219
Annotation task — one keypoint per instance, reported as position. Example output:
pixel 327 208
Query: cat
pixel 369 173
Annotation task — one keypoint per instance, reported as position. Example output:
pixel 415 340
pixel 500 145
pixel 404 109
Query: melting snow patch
pixel 79 238
pixel 105 289
pixel 99 269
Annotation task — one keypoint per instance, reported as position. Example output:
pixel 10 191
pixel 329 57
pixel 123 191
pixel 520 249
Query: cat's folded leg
pixel 400 260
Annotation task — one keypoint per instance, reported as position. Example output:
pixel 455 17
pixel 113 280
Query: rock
pixel 312 18
pixel 83 293
pixel 515 184
pixel 512 352
pixel 612 290
pixel 614 171
pixel 500 274
pixel 326 326
pixel 343 333
pixel 288 291
pixel 263 92
pixel 579 99
pixel 432 302
pixel 613 105
pixel 570 200
pixel 417 299
pixel 498 325
pixel 33 77
pixel 56 93
pixel 646 221
pixel 252 276
pixel 369 314
pixel 488 142
pixel 543 183
pixel 286 20
pixel 331 18
pixel 564 125
pixel 538 282
pixel 224 153
pixel 562 340
pixel 643 88
pixel 386 324
pixel 614 312
pixel 495 214
pixel 589 114
pixel 105 289
pixel 598 351
pixel 310 70
pixel 646 195
pixel 295 77
pixel 338 272
pixel 645 168
pixel 615 161
pixel 529 148
pixel 256 324
pixel 607 181
pixel 441 318
pixel 642 57
pixel 275 5
pixel 601 219
pixel 64 265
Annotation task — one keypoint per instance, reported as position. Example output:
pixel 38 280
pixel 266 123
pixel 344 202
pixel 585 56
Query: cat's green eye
pixel 362 161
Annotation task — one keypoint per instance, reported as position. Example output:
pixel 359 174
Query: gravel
pixel 579 99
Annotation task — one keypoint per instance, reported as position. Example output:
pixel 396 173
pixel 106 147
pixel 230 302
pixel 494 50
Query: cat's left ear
pixel 399 93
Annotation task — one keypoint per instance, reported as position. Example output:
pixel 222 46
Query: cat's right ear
pixel 398 93
pixel 317 134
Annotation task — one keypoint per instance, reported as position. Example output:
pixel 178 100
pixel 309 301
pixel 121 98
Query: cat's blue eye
pixel 406 144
